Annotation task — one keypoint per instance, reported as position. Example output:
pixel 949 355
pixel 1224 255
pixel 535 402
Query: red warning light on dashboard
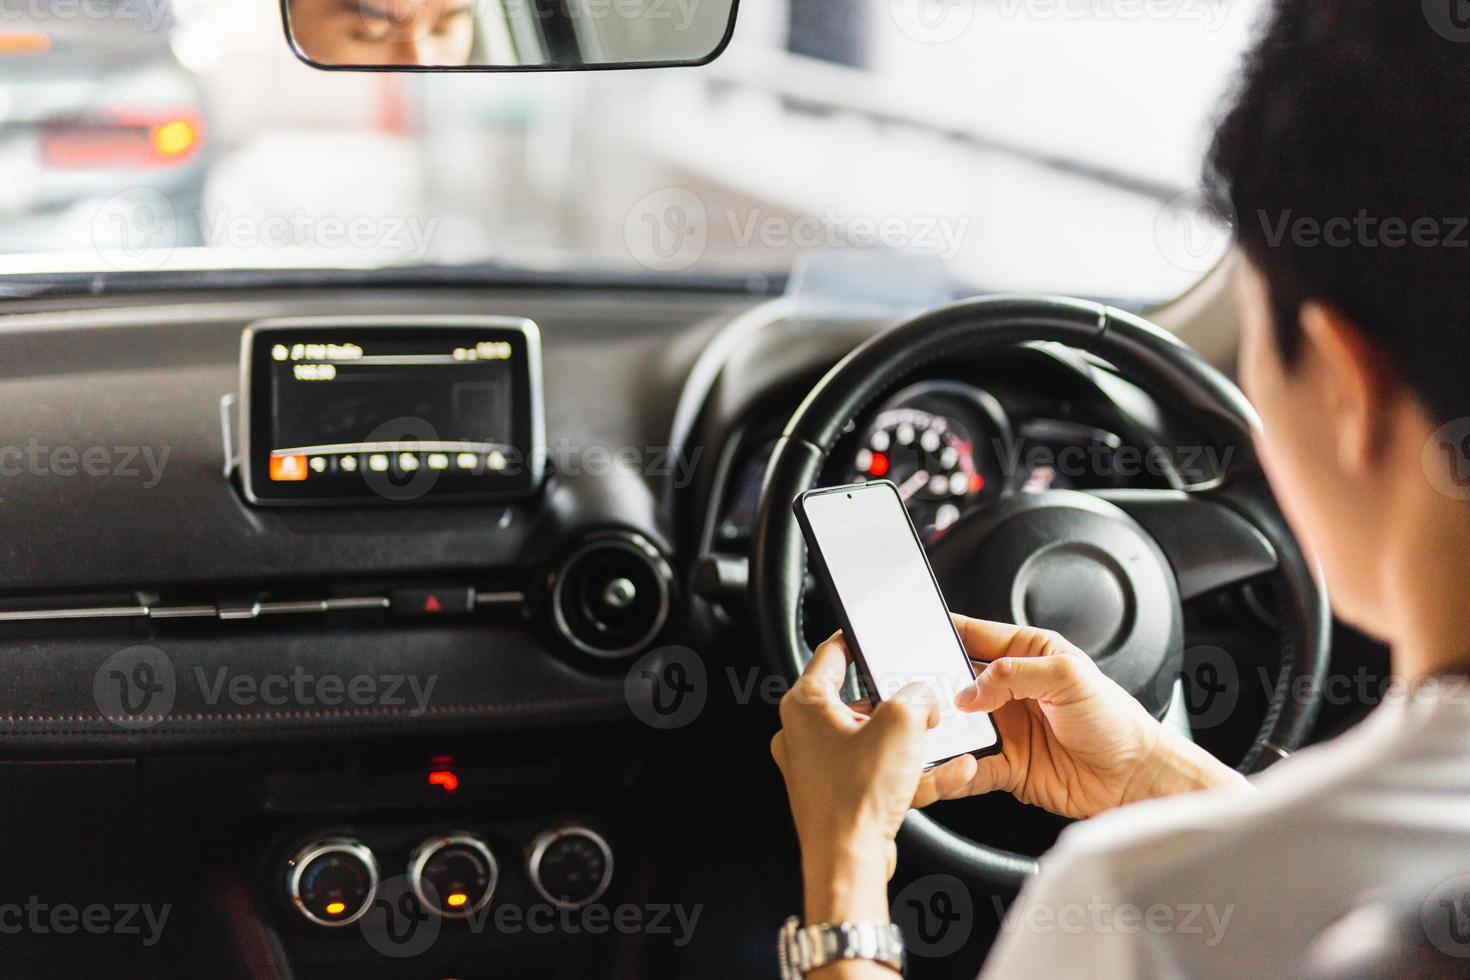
pixel 432 604
pixel 445 779
pixel 288 468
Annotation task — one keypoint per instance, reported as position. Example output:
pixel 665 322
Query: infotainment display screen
pixel 390 409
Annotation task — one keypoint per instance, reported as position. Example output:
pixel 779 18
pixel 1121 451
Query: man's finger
pixel 841 642
pixel 818 691
pixel 985 640
pixel 908 713
pixel 948 781
pixel 826 671
pixel 1024 678
pixel 991 773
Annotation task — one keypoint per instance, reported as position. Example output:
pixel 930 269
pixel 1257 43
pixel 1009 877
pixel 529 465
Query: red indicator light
pixel 444 779
pixel 977 483
pixel 879 465
pixel 433 605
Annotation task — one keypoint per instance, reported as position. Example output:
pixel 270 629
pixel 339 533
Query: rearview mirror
pixel 507 35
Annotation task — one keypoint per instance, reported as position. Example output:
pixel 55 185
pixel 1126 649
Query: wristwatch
pixel 805 948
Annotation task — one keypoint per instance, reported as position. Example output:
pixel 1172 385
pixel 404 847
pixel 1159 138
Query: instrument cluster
pixel 952 447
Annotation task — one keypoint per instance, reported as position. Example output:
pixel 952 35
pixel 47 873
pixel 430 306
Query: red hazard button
pixel 452 601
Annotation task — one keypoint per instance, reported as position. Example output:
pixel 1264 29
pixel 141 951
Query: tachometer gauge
pixel 938 441
pixel 931 458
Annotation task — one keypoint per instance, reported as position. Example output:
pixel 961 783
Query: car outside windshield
pixel 1000 144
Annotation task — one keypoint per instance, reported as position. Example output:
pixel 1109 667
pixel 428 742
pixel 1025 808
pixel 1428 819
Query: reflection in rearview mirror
pixel 527 35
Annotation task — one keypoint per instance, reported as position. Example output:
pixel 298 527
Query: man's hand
pixel 1073 741
pixel 851 778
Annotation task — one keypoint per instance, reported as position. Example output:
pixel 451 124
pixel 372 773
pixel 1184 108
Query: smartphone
pixel 869 558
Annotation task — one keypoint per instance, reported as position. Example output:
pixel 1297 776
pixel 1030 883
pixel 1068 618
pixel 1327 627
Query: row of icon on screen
pixel 290 467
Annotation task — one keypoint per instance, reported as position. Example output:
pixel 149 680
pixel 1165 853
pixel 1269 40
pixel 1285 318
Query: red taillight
pixel 127 139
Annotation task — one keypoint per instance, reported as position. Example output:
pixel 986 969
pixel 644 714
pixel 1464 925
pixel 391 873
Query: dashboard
pixel 572 481
pixel 336 590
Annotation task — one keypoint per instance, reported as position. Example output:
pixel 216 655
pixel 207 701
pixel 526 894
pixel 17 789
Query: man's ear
pixel 1357 390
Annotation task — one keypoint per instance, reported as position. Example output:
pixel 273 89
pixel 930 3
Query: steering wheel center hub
pixel 1077 564
pixel 1076 590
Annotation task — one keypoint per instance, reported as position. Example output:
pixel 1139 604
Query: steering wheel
pixel 1107 569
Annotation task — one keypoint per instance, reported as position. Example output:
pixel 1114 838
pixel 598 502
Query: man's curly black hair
pixel 1344 162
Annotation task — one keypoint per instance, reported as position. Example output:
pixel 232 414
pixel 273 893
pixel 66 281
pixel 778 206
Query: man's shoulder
pixel 1234 877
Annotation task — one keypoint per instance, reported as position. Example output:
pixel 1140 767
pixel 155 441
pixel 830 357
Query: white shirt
pixel 1343 844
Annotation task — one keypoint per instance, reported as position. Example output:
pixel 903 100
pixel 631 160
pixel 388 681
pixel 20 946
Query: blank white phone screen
pixel 897 614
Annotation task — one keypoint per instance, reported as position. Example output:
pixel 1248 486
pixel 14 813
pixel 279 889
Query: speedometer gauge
pixel 936 442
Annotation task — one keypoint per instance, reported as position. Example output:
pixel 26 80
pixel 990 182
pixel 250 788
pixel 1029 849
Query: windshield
pixel 1009 144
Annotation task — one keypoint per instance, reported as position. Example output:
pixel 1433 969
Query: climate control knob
pixel 570 866
pixel 453 875
pixel 331 881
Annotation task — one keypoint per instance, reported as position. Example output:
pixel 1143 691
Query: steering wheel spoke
pixel 1208 543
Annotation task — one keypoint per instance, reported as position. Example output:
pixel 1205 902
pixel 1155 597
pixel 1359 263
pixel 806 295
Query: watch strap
pixel 806 948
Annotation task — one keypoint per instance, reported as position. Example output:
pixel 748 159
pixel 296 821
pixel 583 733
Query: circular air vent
pixel 611 596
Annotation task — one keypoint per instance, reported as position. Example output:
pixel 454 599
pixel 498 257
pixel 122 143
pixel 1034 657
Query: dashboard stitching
pixel 367 714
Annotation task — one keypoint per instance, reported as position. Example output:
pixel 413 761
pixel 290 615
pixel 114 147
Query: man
pixel 1346 163
pixel 384 32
